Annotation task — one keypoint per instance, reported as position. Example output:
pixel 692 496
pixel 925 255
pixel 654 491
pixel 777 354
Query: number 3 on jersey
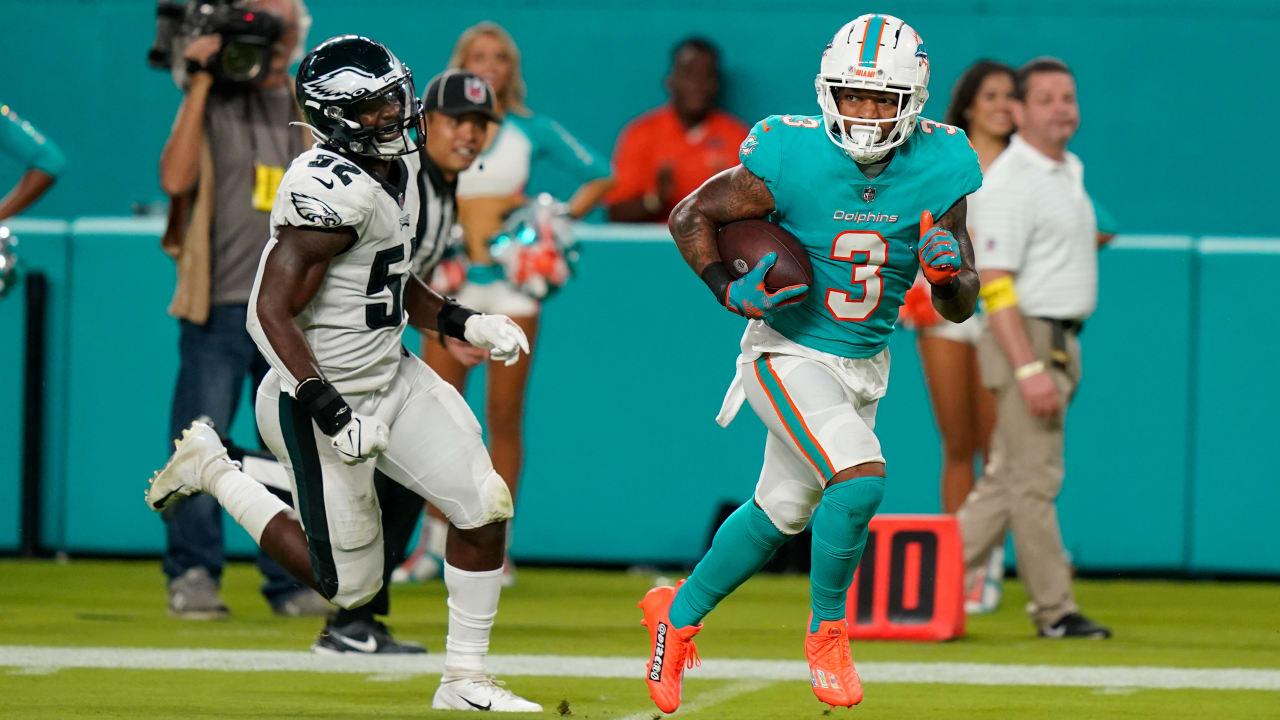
pixel 868 251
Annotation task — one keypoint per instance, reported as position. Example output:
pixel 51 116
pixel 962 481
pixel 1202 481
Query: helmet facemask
pixel 878 53
pixel 384 141
pixel 344 86
pixel 863 138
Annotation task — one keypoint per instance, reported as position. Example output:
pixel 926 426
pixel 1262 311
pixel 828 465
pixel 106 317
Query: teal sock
pixel 839 534
pixel 742 545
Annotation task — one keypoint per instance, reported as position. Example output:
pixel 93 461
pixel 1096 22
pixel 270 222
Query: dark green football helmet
pixel 358 98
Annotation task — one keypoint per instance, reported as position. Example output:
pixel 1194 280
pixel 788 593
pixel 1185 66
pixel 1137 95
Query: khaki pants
pixel 1022 479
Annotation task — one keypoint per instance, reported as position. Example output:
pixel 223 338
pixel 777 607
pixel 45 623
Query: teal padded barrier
pixel 121 377
pixel 1127 428
pixel 624 462
pixel 1235 487
pixel 42 247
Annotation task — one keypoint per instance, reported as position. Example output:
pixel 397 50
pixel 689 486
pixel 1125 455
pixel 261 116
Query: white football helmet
pixel 874 52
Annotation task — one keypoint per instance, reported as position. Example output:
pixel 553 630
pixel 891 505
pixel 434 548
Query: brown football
pixel 744 242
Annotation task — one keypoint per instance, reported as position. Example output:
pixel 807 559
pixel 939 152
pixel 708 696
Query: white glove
pixel 363 437
pixel 499 335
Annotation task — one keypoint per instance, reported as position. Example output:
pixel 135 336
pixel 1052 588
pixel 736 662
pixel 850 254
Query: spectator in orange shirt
pixel 666 153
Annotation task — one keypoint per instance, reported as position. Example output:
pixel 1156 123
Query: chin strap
pixel 319 137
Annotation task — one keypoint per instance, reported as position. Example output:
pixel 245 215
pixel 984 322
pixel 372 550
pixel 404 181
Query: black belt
pixel 1058 353
pixel 1071 326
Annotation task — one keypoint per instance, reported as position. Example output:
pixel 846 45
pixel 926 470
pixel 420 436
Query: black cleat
pixel 362 637
pixel 1075 625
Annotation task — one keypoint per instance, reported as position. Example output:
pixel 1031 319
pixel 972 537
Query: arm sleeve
pixel 567 152
pixel 23 142
pixel 1000 222
pixel 631 167
pixel 761 151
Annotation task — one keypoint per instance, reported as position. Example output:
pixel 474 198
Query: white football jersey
pixel 356 318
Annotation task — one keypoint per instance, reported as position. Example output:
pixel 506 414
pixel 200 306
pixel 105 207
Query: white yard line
pixel 34 658
pixel 706 700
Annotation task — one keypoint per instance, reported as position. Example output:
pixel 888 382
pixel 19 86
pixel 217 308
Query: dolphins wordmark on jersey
pixel 860 233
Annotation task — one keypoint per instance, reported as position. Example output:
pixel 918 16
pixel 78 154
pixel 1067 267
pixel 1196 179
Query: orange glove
pixel 939 252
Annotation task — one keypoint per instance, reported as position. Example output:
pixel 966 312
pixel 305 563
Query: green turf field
pixel 119 606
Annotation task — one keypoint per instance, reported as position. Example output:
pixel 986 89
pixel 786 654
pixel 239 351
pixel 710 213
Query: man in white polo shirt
pixel 1036 239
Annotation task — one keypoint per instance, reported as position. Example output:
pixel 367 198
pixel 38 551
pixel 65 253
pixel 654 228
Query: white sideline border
pixel 34 658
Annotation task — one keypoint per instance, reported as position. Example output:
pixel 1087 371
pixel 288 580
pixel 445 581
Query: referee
pixel 1037 236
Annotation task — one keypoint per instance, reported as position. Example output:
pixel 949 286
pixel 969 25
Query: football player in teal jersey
pixel 859 185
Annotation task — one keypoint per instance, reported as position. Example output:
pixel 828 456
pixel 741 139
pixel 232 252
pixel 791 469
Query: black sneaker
pixel 1075 625
pixel 362 637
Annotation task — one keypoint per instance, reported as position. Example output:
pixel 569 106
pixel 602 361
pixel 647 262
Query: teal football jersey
pixel 860 234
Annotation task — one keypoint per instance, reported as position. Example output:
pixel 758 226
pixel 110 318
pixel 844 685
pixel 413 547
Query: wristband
pixel 717 277
pixel 452 320
pixel 1022 372
pixel 324 404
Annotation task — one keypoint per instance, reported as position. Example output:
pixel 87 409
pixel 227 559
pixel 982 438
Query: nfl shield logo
pixel 474 89
pixel 868 194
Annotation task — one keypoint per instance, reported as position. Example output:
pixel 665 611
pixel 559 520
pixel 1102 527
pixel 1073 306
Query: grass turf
pixel 116 603
pixel 83 693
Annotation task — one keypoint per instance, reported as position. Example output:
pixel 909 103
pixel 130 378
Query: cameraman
pixel 228 149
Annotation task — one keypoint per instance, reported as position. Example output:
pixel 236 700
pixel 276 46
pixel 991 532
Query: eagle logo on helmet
pixel 315 210
pixel 474 89
pixel 345 83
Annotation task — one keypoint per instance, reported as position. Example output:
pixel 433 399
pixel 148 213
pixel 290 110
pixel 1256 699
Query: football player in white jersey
pixel 330 302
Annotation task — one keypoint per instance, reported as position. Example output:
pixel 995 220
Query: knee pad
pixel 789 505
pixel 496 499
pixel 492 504
pixel 790 517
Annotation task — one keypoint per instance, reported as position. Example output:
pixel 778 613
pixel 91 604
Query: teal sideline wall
pixel 1166 85
pixel 44 246
pixel 1167 452
pixel 1236 490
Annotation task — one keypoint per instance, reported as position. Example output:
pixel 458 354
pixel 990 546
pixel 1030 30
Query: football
pixel 744 242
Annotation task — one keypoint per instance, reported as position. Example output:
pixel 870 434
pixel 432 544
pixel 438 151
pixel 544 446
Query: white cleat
pixel 480 693
pixel 198 447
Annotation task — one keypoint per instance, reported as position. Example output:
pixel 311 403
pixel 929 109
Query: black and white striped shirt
pixel 437 219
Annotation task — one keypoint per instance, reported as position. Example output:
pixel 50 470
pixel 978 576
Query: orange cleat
pixel 672 648
pixel 835 681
